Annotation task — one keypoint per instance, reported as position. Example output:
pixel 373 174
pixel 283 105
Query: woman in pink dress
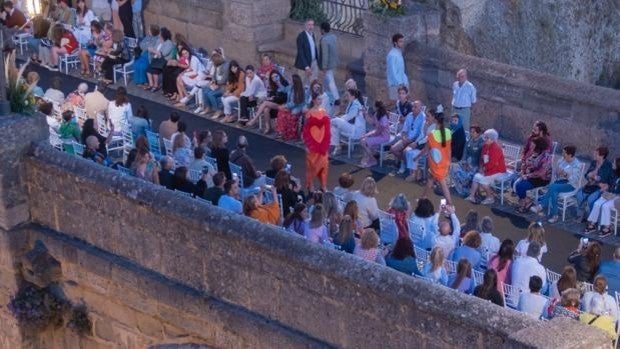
pixel 372 140
pixel 502 263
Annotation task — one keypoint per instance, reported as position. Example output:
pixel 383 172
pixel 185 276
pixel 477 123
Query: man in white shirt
pixel 490 243
pixel 95 102
pixel 533 303
pixel 254 89
pixel 526 267
pixel 463 97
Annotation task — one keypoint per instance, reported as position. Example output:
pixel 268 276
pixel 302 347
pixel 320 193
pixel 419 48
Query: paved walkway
pixel 561 238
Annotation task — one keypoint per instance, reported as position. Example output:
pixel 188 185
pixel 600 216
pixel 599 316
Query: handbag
pixel 590 188
pixel 158 63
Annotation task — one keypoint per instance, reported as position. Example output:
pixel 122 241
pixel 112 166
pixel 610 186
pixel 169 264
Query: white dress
pixel 82 30
pixel 119 114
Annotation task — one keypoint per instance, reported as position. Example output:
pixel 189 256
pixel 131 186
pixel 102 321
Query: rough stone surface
pixel 510 99
pixel 209 269
pixel 572 39
pixel 16 133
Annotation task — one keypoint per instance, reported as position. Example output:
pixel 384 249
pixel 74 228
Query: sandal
pixel 590 228
pixel 522 209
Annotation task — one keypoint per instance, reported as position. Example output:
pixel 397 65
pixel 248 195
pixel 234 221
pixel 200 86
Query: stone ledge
pixel 210 225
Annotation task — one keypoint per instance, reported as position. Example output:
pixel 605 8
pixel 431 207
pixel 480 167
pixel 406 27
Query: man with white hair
pixel 76 98
pixel 492 167
pixel 611 270
pixel 463 97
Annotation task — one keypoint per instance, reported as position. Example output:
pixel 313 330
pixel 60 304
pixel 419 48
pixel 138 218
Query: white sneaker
pixel 471 199
pixel 536 208
pixel 184 100
pixel 198 110
pixel 488 201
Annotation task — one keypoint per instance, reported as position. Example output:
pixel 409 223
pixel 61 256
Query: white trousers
pixel 330 83
pixel 410 154
pixel 603 208
pixel 340 126
pixel 228 102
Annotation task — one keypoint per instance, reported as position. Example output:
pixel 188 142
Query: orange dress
pixel 316 135
pixel 268 214
pixel 439 157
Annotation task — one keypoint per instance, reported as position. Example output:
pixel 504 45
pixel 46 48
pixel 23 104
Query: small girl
pixel 317 231
pixel 368 247
pixel 435 269
pixel 295 222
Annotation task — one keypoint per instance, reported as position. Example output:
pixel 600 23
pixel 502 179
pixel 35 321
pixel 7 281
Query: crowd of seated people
pixel 265 96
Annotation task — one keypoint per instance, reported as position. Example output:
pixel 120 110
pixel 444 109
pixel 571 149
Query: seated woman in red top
pixel 64 44
pixel 492 166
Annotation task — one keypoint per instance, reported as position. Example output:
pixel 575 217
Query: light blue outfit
pixel 471 254
pixel 423 231
pixel 467 284
pixel 140 65
pixel 439 276
pixel 139 126
pixel 611 270
pixel 550 198
pixel 231 204
pixel 395 69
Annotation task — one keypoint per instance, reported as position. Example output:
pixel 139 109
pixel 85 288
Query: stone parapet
pixel 16 133
pixel 333 297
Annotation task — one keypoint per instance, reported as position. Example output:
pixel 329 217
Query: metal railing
pixel 346 15
pixel 342 15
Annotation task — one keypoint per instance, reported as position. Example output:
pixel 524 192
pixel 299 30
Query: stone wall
pixel 238 26
pixel 325 297
pixel 510 98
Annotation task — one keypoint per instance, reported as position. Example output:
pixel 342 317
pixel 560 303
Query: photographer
pixel 586 260
pixel 264 213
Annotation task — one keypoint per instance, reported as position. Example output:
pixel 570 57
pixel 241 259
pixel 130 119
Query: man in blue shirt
pixel 395 67
pixel 138 27
pixel 412 129
pixel 229 201
pixel 611 270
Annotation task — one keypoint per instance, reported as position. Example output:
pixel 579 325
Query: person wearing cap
pixel 525 267
pixel 251 177
pixel 492 167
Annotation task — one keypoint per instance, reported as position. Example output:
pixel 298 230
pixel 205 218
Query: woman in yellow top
pixel 439 149
pixel 267 213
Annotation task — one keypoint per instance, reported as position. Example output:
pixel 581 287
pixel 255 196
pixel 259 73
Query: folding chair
pixel 566 200
pixel 511 296
pixel 614 220
pixel 212 161
pixel 127 68
pixel 243 191
pixel 71 59
pixel 21 40
pixel 55 140
pixel 168 147
pixel 350 142
pixel 154 146
pixel 422 254
pixel 478 276
pixel 552 276
pixel 80 114
pixel 387 228
pixel 450 266
pixel 393 119
pixel 194 175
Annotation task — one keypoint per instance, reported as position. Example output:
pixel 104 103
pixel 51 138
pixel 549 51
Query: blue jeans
pixel 522 187
pixel 212 98
pixel 33 44
pixel 550 199
pixel 590 198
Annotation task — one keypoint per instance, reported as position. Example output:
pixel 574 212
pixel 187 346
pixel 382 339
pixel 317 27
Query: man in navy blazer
pixel 307 54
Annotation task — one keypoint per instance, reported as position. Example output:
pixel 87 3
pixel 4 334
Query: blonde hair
pixel 369 239
pixel 437 258
pixel 32 77
pixel 536 232
pixel 369 187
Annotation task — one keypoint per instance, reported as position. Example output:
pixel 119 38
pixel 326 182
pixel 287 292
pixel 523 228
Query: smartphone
pixel 442 202
pixel 584 241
